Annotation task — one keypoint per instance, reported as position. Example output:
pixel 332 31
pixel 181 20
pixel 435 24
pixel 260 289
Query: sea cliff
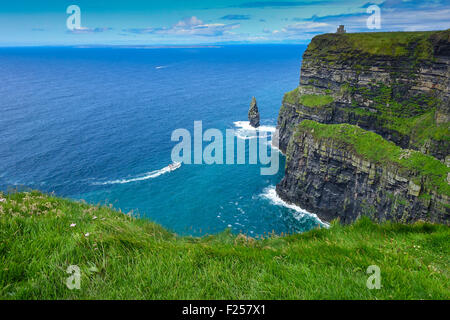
pixel 387 92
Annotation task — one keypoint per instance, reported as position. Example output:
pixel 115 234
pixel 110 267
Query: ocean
pixel 96 124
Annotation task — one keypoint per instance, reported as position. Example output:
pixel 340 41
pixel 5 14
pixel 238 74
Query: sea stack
pixel 253 114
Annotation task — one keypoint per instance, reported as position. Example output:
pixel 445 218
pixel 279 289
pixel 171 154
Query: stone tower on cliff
pixel 341 29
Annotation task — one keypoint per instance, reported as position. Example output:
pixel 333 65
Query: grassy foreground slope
pixel 125 258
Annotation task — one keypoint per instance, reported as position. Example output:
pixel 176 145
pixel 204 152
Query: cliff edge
pixel 393 89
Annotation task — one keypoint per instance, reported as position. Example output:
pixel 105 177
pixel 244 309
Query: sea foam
pixel 245 131
pixel 270 194
pixel 149 175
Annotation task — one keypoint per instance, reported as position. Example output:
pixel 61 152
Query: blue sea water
pixel 96 124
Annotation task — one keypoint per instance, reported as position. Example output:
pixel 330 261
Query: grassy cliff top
pixel 417 45
pixel 308 100
pixel 121 257
pixel 428 171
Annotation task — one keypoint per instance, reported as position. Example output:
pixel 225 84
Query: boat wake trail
pixel 149 175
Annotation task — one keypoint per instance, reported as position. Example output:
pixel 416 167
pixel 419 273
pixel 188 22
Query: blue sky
pixel 148 22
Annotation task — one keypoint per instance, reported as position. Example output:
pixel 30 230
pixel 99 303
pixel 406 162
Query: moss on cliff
pixel 412 45
pixel 395 86
pixel 391 100
pixel 420 128
pixel 412 117
pixel 428 171
pixel 292 97
pixel 315 100
pixel 309 100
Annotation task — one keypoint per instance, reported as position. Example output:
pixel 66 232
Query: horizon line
pixel 145 46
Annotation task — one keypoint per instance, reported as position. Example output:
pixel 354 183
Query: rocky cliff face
pixel 393 84
pixel 328 175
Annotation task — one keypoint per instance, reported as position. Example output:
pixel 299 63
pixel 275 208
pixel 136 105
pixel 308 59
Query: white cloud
pixel 192 26
pixel 302 30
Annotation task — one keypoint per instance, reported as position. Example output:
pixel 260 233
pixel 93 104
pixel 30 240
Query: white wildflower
pixel 73 225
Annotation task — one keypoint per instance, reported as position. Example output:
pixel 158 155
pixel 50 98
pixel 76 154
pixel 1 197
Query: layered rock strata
pixel 394 86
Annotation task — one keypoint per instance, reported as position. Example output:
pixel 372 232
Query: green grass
pixel 316 100
pixel 308 100
pixel 420 128
pixel 388 99
pixel 411 116
pixel 428 171
pixel 128 258
pixel 414 117
pixel 292 97
pixel 417 45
